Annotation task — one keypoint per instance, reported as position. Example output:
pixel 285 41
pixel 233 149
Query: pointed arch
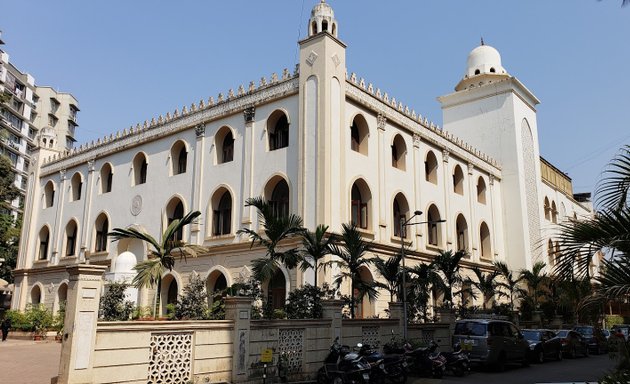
pixel 434 232
pixel 37 294
pixel 222 208
pixel 431 168
pixel 458 180
pixel 106 178
pixel 278 194
pixel 224 143
pixel 359 134
pixel 76 186
pixel 179 157
pixel 101 229
pixel 461 231
pixel 49 194
pixel 71 236
pixel 44 243
pixel 278 129
pixel 140 167
pixel 175 209
pixel 547 209
pixel 399 153
pixel 481 190
pixel 400 214
pixel 485 242
pixel 360 204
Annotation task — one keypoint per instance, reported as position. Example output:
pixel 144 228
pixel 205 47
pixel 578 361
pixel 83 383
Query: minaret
pixel 496 113
pixel 322 98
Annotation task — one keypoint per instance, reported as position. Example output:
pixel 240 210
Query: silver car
pixel 492 342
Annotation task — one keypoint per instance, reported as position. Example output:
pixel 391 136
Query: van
pixel 491 342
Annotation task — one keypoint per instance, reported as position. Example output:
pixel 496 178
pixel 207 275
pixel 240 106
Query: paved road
pixel 566 371
pixel 28 362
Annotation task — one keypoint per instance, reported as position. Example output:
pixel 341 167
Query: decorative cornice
pixel 249 114
pixel 401 116
pixel 178 123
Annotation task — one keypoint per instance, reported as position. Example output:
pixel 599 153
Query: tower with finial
pixel 496 113
pixel 322 20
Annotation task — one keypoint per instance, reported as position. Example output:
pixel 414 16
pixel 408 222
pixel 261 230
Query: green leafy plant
pixel 193 303
pixel 113 306
pixel 305 302
pixel 19 322
pixel 39 317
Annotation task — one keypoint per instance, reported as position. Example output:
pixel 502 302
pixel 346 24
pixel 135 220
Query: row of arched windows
pixel 551 211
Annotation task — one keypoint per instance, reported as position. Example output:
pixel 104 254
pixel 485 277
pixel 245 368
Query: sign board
pixel 266 356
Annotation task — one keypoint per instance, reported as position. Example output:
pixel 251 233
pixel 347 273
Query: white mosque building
pixel 316 141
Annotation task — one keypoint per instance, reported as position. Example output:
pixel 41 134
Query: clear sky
pixel 127 61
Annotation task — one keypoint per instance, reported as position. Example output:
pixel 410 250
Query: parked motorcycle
pixel 426 361
pixel 343 366
pixel 457 362
pixel 389 367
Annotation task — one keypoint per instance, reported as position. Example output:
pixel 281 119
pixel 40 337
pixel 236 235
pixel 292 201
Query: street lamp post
pixel 403 224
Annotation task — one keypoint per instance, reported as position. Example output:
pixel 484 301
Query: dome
pixel 484 60
pixel 125 262
pixel 322 9
pixel 322 20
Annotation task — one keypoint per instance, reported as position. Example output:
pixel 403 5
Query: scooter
pixel 384 367
pixel 427 361
pixel 457 362
pixel 343 366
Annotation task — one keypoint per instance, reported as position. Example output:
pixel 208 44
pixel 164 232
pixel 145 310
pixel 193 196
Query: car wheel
pixel 540 357
pixel 337 380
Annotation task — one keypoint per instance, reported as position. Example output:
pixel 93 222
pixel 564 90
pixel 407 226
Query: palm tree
pixel 486 284
pixel 609 231
pixel 276 228
pixel 390 271
pixel 537 283
pixel 509 286
pixel 315 246
pixel 162 253
pixel 446 264
pixel 352 255
pixel 422 278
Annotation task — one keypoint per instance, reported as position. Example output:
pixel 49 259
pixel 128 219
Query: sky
pixel 129 61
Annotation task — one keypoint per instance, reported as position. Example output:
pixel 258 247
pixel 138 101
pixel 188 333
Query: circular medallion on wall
pixel 136 205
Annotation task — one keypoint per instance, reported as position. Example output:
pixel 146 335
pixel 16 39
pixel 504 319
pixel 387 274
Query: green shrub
pixel 611 320
pixel 305 302
pixel 39 317
pixel 60 317
pixel 18 321
pixel 193 304
pixel 113 306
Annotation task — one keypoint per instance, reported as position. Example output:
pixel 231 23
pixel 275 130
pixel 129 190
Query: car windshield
pixel 562 333
pixel 584 331
pixel 470 328
pixel 531 335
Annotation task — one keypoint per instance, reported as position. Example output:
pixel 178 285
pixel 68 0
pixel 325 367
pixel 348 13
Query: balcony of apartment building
pixel 13 85
pixel 73 115
pixel 10 121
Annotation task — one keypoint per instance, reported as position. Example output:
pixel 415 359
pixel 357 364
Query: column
pixel 86 228
pixel 249 114
pixel 196 235
pixel 448 190
pixel 79 338
pixel 418 167
pixel 382 164
pixel 58 230
pixel 473 227
pixel 331 309
pixel 396 312
pixel 238 309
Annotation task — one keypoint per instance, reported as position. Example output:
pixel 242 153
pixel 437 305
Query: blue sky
pixel 127 61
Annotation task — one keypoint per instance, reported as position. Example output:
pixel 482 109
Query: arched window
pixel 359 133
pixel 36 295
pixel 139 169
pixel 431 167
pixel 481 190
pixel 314 28
pixel 547 208
pixel 106 178
pixel 484 241
pixel 279 200
pixel 433 227
pixel 169 293
pixel 49 194
pixel 71 238
pixel 557 252
pixel 44 240
pixel 324 26
pixel 62 297
pixel 179 157
pixel 550 252
pixel 458 180
pixel 222 214
pixel 77 185
pixel 277 291
pixel 224 141
pixel 461 229
pixel 360 203
pixel 401 210
pixel 399 153
pixel 554 212
pixel 278 130
pixel 563 212
pixel 102 228
pixel 175 211
pixel 216 284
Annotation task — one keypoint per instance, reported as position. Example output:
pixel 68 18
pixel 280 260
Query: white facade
pixel 352 153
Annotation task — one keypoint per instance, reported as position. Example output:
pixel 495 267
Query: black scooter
pixel 424 361
pixel 343 366
pixel 384 367
pixel 457 362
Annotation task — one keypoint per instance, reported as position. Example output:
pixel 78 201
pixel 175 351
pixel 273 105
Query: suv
pixel 594 337
pixel 623 328
pixel 491 342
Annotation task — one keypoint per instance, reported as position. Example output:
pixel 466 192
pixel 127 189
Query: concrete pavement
pixel 28 362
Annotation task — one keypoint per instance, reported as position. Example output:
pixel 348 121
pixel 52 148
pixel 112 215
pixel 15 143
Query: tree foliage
pixel 113 306
pixel 8 190
pixel 193 303
pixel 9 244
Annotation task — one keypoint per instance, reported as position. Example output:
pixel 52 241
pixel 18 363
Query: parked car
pixel 595 338
pixel 606 333
pixel 623 328
pixel 491 342
pixel 543 344
pixel 573 344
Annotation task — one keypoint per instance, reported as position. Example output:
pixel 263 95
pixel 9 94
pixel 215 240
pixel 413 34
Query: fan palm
pixel 162 253
pixel 509 285
pixel 609 231
pixel 446 265
pixel 352 258
pixel 486 284
pixel 276 228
